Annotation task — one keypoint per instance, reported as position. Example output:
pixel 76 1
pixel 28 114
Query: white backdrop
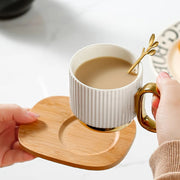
pixel 35 50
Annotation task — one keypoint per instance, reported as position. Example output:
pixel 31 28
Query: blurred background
pixel 35 50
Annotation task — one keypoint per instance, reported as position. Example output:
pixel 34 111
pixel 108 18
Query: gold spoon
pixel 149 51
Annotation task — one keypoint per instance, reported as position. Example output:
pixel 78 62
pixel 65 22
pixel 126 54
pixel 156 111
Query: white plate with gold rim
pixel 167 57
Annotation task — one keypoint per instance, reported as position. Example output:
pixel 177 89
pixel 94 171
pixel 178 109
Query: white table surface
pixel 35 51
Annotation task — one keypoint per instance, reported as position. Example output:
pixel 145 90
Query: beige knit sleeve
pixel 165 161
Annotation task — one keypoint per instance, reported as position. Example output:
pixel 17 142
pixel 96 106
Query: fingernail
pixel 164 75
pixel 32 114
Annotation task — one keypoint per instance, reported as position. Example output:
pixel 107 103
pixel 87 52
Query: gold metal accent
pixel 144 120
pixel 149 51
pixel 109 130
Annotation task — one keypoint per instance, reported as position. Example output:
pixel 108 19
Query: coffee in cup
pixel 105 73
pixel 102 94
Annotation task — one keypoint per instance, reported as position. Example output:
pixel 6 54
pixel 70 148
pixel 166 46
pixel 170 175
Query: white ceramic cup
pixel 104 108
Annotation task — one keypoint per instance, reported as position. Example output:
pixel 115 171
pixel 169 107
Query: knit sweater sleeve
pixel 165 161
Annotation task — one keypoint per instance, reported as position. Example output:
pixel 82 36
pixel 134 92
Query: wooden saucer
pixel 59 136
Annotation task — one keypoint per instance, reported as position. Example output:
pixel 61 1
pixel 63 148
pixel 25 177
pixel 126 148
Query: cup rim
pixel 98 89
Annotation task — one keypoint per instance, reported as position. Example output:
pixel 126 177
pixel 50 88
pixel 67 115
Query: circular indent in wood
pixel 58 136
pixel 82 140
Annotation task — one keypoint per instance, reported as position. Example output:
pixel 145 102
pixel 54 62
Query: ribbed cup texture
pixel 103 108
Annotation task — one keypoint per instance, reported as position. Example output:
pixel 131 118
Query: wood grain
pixel 59 136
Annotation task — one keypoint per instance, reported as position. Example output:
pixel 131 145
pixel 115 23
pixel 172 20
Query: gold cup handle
pixel 144 120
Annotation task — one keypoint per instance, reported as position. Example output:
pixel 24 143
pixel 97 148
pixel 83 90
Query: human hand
pixel 166 110
pixel 11 116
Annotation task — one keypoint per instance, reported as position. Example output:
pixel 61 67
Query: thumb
pixel 14 112
pixel 169 88
pixel 162 80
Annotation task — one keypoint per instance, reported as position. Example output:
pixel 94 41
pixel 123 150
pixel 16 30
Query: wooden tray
pixel 59 136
